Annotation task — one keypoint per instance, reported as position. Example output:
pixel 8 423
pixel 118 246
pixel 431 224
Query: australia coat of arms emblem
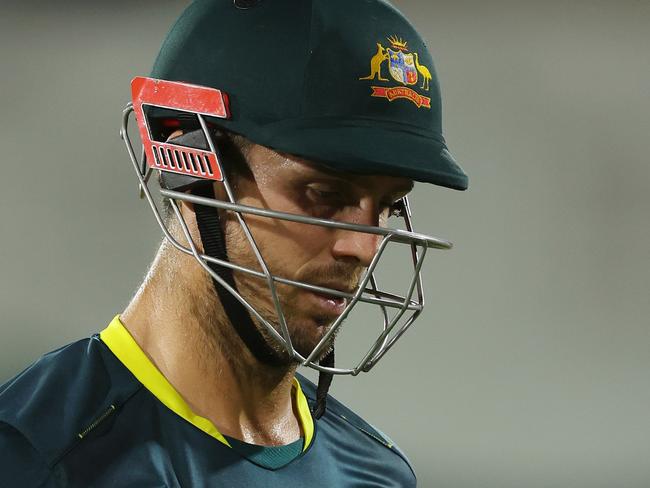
pixel 405 68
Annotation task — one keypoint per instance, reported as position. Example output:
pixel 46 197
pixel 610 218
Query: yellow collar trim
pixel 121 343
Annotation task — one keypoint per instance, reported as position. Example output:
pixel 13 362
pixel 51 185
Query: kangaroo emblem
pixel 405 68
pixel 375 64
pixel 426 74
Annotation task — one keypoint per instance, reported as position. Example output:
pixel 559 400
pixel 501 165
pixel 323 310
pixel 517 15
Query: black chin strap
pixel 324 382
pixel 214 244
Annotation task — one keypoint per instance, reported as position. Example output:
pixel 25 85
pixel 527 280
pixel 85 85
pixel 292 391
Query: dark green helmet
pixel 348 83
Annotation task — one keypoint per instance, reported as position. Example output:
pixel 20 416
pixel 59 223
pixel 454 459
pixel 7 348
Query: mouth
pixel 328 304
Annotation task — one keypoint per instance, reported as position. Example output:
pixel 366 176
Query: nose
pixel 359 247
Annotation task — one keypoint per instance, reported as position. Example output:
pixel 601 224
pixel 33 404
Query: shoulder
pixel 47 405
pixel 21 464
pixel 54 366
pixel 339 420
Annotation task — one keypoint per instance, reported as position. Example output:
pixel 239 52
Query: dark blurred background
pixel 530 366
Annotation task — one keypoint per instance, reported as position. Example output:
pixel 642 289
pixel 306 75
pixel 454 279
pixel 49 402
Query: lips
pixel 329 304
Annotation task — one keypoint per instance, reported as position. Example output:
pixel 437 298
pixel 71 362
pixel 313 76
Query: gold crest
pixel 404 67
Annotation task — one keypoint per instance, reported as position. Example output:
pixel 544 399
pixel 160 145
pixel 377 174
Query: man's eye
pixel 324 200
pixel 320 194
pixel 326 194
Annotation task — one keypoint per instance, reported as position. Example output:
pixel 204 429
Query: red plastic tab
pixel 179 96
pixel 184 97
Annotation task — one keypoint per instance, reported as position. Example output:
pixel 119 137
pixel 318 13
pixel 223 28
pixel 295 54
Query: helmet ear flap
pixel 230 155
pixel 183 182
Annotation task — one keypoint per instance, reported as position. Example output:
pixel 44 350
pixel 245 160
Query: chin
pixel 305 327
pixel 306 335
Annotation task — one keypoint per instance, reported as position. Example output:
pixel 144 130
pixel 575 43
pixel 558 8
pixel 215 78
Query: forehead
pixel 265 160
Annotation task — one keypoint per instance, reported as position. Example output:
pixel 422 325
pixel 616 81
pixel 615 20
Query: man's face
pixel 318 255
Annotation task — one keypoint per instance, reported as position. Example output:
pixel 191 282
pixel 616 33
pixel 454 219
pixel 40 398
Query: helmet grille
pixel 193 162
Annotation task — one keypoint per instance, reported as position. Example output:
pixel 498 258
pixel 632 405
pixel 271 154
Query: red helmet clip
pixel 165 156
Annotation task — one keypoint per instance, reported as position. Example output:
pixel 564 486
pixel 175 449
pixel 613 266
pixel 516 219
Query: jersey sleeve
pixel 20 464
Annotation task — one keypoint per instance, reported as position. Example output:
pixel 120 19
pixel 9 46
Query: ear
pixel 174 135
pixel 187 208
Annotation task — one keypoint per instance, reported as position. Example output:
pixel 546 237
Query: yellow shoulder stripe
pixel 304 414
pixel 121 343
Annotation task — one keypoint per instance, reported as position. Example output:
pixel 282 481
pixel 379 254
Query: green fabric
pixel 349 83
pixel 270 457
pixel 76 384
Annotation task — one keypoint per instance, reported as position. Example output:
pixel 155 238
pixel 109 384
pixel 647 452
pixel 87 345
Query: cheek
pixel 288 246
pixel 285 246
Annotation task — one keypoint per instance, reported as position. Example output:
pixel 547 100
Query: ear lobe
pixel 174 135
pixel 217 186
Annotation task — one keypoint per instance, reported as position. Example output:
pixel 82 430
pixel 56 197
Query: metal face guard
pixel 367 290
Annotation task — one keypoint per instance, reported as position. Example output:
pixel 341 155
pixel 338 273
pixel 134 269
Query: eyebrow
pixel 321 169
pixel 345 179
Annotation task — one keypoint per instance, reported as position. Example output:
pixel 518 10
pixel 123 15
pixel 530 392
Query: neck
pixel 177 320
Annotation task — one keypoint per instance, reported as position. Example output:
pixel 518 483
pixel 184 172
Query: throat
pixel 187 337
